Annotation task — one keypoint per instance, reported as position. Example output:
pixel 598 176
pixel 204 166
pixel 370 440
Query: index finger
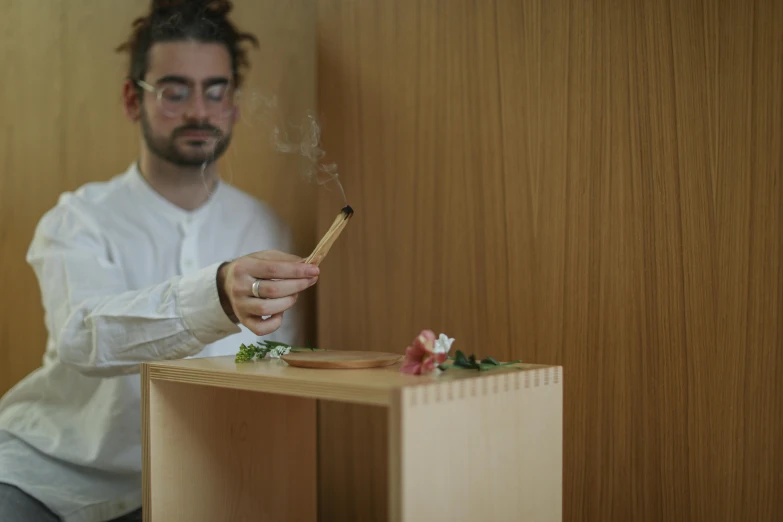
pixel 276 255
pixel 268 269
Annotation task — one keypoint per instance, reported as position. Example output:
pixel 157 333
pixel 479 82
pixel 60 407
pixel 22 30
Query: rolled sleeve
pixel 200 306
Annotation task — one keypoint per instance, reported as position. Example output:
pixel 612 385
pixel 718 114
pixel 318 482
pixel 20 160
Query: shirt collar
pixel 152 199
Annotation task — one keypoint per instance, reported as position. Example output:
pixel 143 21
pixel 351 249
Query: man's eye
pixel 175 94
pixel 216 93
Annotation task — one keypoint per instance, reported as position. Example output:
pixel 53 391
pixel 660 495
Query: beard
pixel 166 148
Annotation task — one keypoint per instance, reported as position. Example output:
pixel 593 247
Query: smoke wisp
pixel 303 140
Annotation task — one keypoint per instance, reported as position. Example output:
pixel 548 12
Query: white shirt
pixel 125 277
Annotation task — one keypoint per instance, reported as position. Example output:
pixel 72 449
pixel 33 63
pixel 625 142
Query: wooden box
pixel 232 442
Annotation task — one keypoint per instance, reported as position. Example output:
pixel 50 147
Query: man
pixel 138 269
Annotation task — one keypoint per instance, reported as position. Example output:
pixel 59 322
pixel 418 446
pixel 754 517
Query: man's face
pixel 189 121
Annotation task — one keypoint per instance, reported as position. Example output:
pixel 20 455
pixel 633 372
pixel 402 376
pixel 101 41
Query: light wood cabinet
pixel 238 441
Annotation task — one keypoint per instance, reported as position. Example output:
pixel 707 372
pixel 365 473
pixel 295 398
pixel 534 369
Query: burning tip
pixel 347 210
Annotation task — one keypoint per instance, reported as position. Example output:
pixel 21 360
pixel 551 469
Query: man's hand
pixel 282 276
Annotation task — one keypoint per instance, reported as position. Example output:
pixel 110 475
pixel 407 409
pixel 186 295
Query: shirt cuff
pixel 200 306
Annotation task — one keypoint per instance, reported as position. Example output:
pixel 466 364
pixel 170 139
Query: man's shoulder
pixel 85 202
pixel 96 192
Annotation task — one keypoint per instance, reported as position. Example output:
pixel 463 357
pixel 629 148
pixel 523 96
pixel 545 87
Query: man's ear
pixel 130 100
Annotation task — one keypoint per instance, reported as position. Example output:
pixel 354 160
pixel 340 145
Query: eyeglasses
pixel 174 98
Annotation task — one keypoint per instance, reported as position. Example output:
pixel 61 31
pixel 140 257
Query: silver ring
pixel 255 288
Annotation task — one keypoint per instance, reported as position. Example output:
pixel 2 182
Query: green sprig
pixel 253 351
pixel 470 363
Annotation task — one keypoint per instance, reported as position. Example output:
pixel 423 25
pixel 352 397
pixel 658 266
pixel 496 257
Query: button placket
pixel 188 260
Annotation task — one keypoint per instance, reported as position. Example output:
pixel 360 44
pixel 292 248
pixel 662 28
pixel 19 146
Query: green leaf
pixel 488 363
pixel 510 363
pixel 461 361
pixel 275 344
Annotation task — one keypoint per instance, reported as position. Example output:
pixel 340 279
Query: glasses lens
pixel 219 99
pixel 173 98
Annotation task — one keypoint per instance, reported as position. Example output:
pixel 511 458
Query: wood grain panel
pixel 218 442
pixel 503 465
pixel 63 126
pixel 595 184
pixel 32 151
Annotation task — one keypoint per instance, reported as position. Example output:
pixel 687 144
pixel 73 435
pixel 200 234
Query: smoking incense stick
pixel 331 236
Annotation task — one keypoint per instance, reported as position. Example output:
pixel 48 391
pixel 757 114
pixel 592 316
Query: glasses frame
pixel 158 92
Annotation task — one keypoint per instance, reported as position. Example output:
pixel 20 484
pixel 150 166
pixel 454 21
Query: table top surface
pixel 365 386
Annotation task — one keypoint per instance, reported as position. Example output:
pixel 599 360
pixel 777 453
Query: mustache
pixel 193 127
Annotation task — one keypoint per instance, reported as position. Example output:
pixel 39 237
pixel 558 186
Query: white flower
pixel 278 351
pixel 442 344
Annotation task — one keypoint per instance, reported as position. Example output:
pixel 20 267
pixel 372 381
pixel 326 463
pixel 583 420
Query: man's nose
pixel 197 109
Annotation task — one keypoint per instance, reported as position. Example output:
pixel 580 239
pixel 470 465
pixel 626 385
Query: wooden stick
pixel 331 236
pixel 335 224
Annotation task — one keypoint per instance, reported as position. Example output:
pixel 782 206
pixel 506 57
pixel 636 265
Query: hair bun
pixel 219 7
pixel 214 7
pixel 162 5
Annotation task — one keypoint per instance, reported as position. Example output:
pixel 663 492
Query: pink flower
pixel 423 356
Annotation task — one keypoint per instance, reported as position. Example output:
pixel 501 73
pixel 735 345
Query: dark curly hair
pixel 175 20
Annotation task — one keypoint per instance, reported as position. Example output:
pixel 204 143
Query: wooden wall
pixel 62 125
pixel 595 184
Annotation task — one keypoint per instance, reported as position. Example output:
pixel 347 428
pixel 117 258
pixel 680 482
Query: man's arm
pixel 101 327
pixel 225 302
